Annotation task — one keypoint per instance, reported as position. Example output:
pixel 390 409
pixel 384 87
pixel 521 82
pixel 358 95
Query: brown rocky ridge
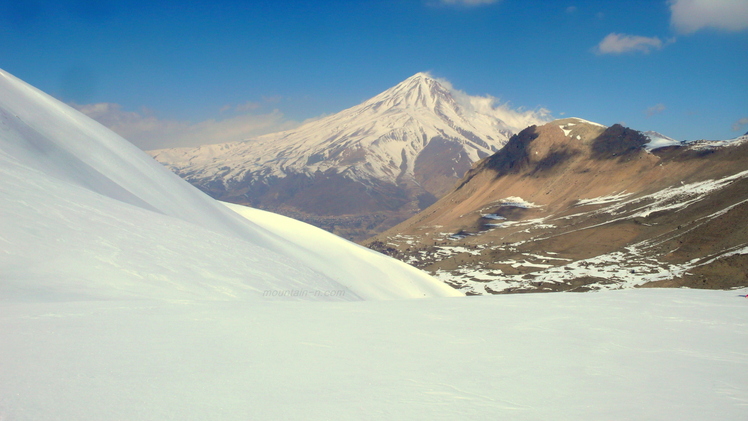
pixel 574 206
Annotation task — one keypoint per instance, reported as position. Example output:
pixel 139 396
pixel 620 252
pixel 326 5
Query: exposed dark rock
pixel 514 156
pixel 618 142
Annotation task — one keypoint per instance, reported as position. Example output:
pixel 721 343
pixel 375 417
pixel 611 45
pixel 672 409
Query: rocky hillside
pixel 574 205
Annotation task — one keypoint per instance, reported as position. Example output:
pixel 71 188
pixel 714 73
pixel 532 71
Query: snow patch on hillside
pixel 602 200
pixel 493 216
pixel 713 144
pixel 567 128
pixel 592 123
pixel 657 140
pixel 674 198
pixel 517 202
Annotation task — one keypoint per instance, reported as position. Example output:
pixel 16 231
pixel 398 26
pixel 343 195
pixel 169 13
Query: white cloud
pixel 622 43
pixel 517 119
pixel 465 2
pixel 738 125
pixel 689 16
pixel 147 132
pixel 655 109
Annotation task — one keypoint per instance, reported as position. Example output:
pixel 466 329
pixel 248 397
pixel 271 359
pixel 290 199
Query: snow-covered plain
pixel 615 355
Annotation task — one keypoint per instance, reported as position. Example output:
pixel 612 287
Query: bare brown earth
pixel 675 216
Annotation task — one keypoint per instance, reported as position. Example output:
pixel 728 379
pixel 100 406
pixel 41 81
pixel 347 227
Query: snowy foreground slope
pixel 85 214
pixel 661 354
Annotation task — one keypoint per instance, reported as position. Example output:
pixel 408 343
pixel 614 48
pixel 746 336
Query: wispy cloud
pixel 688 16
pixel 621 43
pixel 655 109
pixel 241 108
pixel 469 3
pixel 248 106
pixel 148 132
pixel 516 118
pixel 740 124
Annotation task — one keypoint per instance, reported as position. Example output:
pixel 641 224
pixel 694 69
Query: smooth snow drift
pixel 324 250
pixel 84 213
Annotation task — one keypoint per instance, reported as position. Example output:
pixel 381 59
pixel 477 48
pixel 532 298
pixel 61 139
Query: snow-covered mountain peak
pixel 418 91
pixel 378 138
pixel 413 140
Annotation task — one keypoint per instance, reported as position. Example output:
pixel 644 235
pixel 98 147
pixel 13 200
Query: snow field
pixel 620 355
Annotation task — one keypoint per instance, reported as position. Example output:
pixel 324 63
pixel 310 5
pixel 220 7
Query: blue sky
pixel 165 73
